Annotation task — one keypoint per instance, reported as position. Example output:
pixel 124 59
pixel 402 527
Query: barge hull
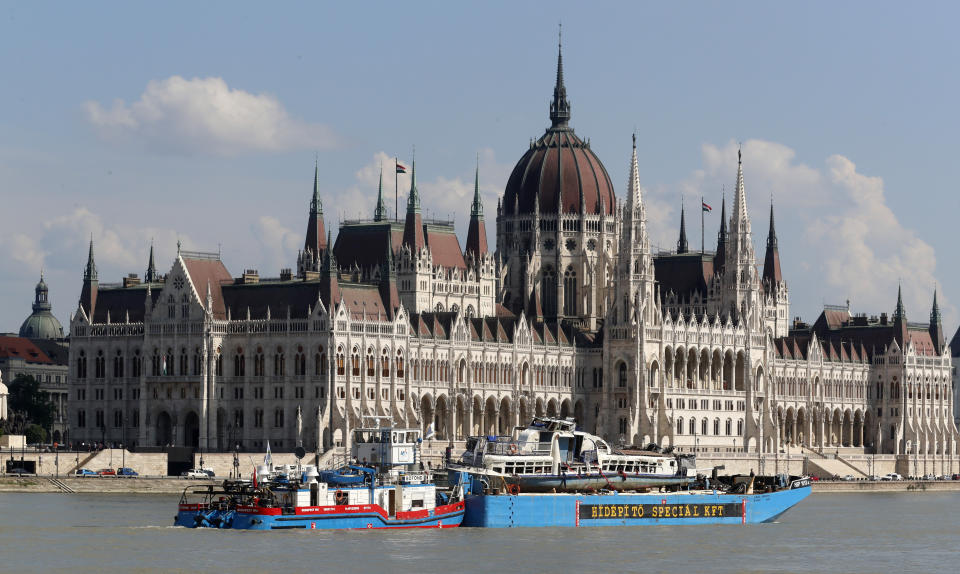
pixel 628 509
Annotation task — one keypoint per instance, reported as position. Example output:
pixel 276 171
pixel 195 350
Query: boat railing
pixel 517 449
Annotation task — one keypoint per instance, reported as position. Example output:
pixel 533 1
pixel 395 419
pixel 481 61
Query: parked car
pixel 892 476
pixel 125 471
pixel 875 477
pixel 929 477
pixel 84 472
pixel 848 477
pixel 194 473
pixel 944 477
pixel 106 472
pixel 955 477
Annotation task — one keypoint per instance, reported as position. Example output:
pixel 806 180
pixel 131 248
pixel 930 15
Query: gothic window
pixel 171 307
pixel 570 245
pixel 385 364
pixel 218 364
pixel 239 363
pixel 100 365
pixel 137 365
pixel 693 426
pixel 680 425
pixel 355 362
pixel 591 245
pixel 622 375
pixel 740 427
pixel 716 426
pixel 185 306
pixel 623 425
pixel 259 363
pixel 81 418
pixel 118 364
pixel 183 361
pixel 279 364
pixel 729 427
pixel 548 292
pixel 439 307
pixel 370 362
pixel 341 368
pixel 570 291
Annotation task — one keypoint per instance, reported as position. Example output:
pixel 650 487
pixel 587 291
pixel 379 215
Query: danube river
pixel 871 532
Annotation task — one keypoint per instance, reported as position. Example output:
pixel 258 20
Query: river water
pixel 871 532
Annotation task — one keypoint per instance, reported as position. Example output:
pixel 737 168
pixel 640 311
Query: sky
pixel 202 122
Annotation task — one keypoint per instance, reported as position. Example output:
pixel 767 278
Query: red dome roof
pixel 559 166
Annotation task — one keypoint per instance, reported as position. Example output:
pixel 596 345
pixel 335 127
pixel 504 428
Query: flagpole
pixel 396 194
pixel 702 251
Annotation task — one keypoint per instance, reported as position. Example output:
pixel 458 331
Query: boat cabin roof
pixel 553 424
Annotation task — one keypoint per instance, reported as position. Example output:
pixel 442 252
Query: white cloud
pixel 206 116
pixel 278 243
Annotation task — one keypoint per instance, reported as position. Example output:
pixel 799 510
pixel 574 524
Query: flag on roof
pixel 401 168
pixel 706 207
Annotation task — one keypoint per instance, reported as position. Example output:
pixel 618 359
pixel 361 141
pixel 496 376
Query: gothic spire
pixel 560 106
pixel 720 258
pixel 936 326
pixel 935 310
pixel 771 261
pixel 316 205
pixel 413 226
pixel 899 312
pixel 314 241
pixel 90 273
pixel 413 201
pixel 476 209
pixel 634 194
pixel 682 246
pixel 151 275
pixel 381 211
pixel 477 231
pixel 740 216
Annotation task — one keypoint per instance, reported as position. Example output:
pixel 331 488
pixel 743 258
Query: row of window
pixel 691 427
pixel 99 420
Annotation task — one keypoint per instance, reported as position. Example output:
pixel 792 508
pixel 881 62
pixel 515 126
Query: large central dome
pixel 559 171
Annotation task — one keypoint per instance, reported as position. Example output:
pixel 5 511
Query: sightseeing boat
pixel 749 500
pixel 551 455
pixel 382 489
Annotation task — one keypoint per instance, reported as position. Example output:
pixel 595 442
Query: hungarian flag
pixel 401 168
pixel 706 207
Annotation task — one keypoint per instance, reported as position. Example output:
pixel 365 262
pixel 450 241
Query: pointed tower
pixel 777 312
pixel 634 260
pixel 380 213
pixel 936 326
pixel 315 241
pixel 477 232
pixel 900 320
pixel 413 227
pixel 771 261
pixel 721 256
pixel 88 294
pixel 560 106
pixel 741 284
pixel 682 245
pixel 150 276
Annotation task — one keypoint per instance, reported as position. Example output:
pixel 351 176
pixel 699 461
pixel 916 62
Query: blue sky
pixel 201 121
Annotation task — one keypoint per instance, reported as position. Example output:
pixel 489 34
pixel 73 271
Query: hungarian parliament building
pixel 572 315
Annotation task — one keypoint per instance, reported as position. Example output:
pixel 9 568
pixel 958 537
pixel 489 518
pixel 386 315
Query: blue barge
pixel 631 509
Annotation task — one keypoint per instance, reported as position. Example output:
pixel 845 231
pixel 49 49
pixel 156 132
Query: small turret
pixel 88 294
pixel 936 326
pixel 682 246
pixel 413 226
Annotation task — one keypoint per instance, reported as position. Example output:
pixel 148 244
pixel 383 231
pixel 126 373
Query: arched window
pixel 548 292
pixel 400 371
pixel 279 364
pixel 740 427
pixel 716 427
pixel 185 306
pixel 385 363
pixel 239 363
pixel 370 362
pixel 693 426
pixel 570 291
pixel 680 425
pixel 729 427
pixel 355 362
pixel 341 367
pixel 259 363
pixel 622 375
pixel 118 364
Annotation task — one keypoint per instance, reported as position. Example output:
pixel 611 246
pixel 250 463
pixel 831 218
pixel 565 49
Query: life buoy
pixel 513 489
pixel 513 448
pixel 340 497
